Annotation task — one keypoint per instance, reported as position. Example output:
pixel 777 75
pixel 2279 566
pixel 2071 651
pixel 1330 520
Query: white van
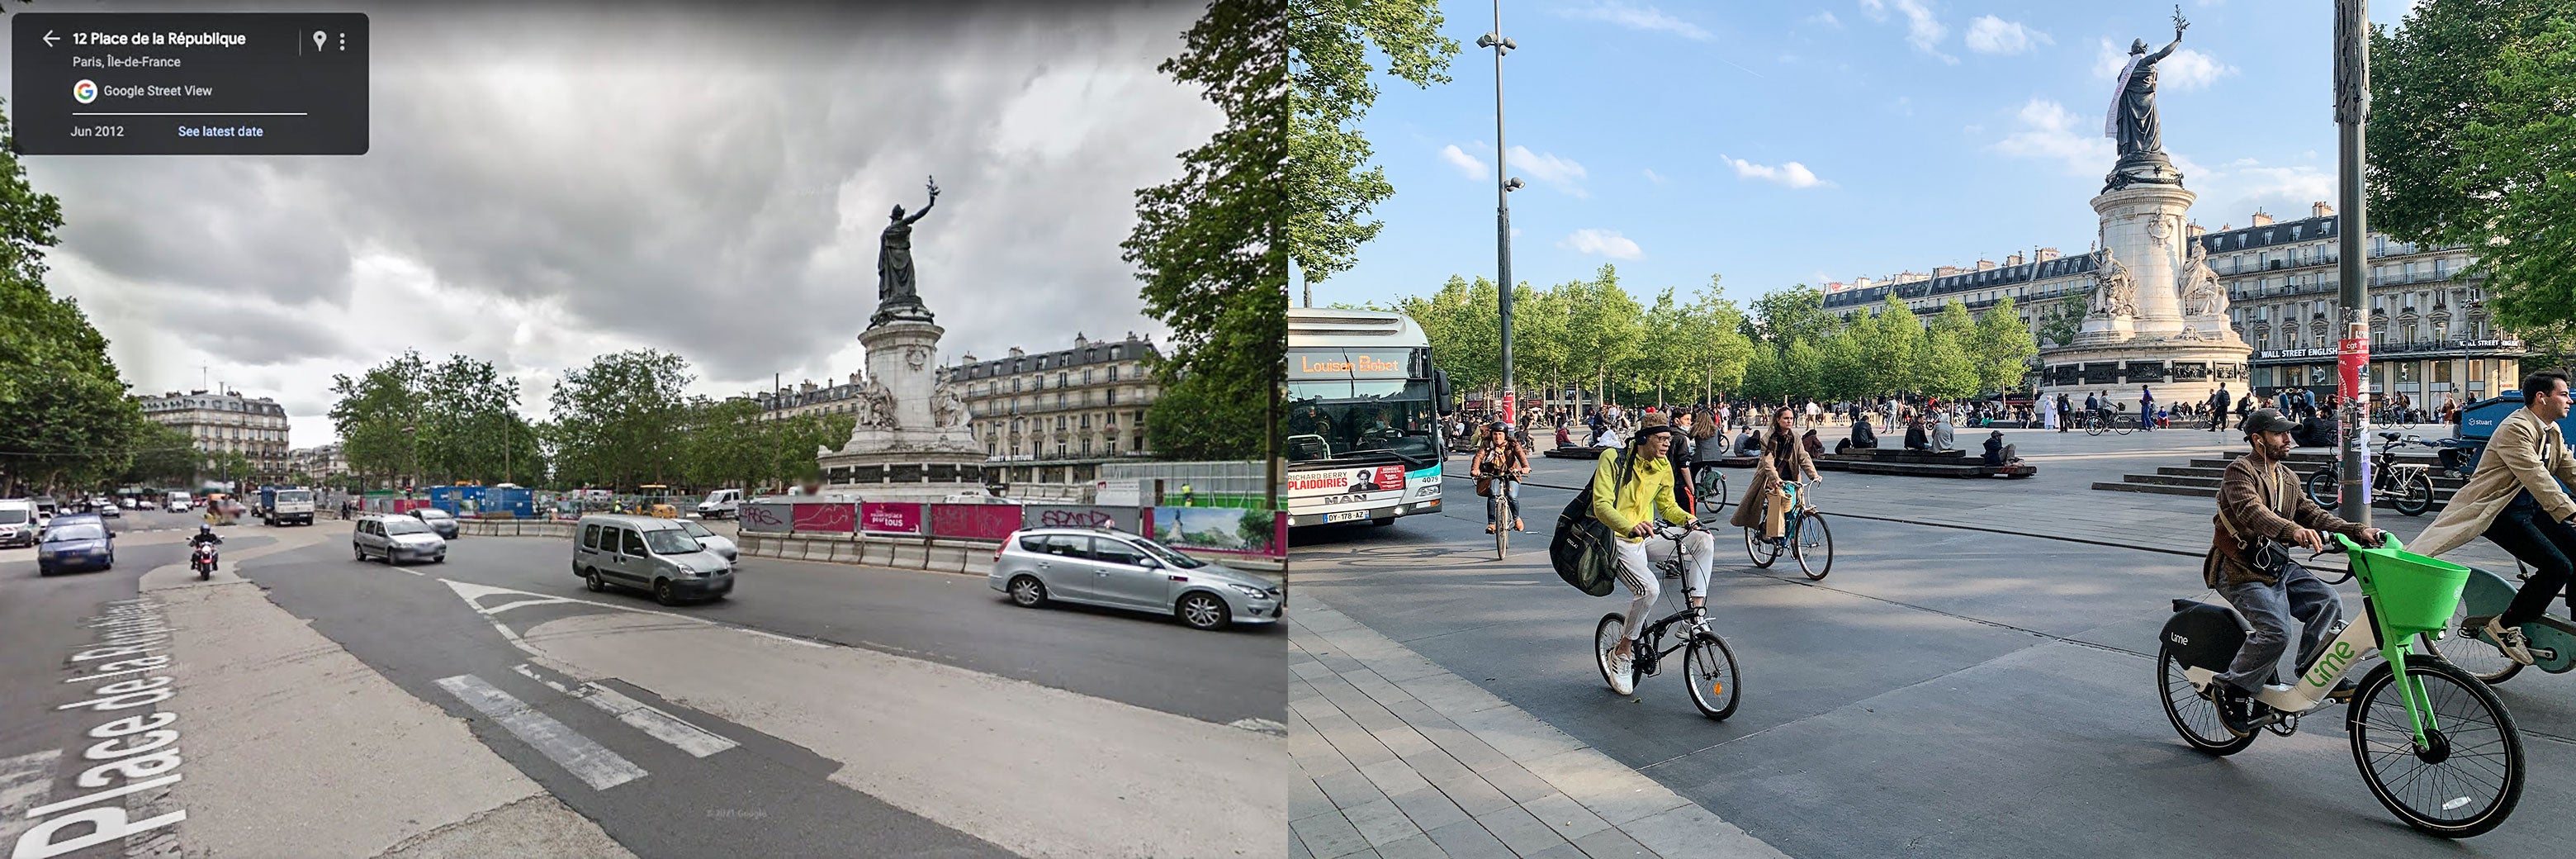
pixel 721 504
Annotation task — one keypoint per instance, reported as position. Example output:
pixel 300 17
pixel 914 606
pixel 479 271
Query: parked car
pixel 110 511
pixel 440 521
pixel 720 504
pixel 396 539
pixel 1106 567
pixel 714 542
pixel 648 552
pixel 18 525
pixel 75 541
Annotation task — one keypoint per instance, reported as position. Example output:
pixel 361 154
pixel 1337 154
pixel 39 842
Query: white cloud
pixel 1563 173
pixel 2188 69
pixel 1607 243
pixel 1652 176
pixel 1791 174
pixel 1992 35
pixel 1472 166
pixel 1635 17
pixel 2185 70
pixel 1825 18
pixel 2242 185
pixel 2046 130
pixel 1922 30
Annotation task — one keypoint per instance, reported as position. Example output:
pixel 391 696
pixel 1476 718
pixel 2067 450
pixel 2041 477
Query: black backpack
pixel 1584 551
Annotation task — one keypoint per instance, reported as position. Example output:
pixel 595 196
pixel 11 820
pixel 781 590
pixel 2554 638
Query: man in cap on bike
pixel 1630 489
pixel 2259 499
pixel 2519 501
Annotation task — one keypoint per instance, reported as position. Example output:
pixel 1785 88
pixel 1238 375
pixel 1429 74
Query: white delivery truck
pixel 721 504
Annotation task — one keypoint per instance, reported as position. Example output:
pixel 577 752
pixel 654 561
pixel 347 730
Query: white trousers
pixel 1636 570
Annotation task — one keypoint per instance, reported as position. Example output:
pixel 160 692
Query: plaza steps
pixel 2200 477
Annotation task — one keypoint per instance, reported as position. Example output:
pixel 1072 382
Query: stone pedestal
pixel 2145 227
pixel 906 446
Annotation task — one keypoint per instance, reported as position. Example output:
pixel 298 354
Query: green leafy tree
pixel 1802 368
pixel 2004 347
pixel 64 413
pixel 1465 329
pixel 1330 184
pixel 378 415
pixel 2059 321
pixel 2469 139
pixel 469 422
pixel 1894 347
pixel 1846 373
pixel 1605 325
pixel 619 421
pixel 1763 380
pixel 1208 245
pixel 1946 367
pixel 1719 356
pixel 1792 315
pixel 163 456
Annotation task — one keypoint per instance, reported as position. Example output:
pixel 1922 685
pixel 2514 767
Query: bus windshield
pixel 1339 419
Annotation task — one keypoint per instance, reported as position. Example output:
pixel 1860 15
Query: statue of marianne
pixel 2132 118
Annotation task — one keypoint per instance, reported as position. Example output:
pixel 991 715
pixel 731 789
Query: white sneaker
pixel 2511 640
pixel 1623 673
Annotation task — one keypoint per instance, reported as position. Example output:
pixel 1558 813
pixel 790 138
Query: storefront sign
pixel 890 517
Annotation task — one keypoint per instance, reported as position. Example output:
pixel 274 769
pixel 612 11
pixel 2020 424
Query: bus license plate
pixel 1353 516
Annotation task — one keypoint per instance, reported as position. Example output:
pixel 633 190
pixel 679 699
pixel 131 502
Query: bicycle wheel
pixel 2480 659
pixel 2325 487
pixel 1759 547
pixel 2414 494
pixel 2117 428
pixel 1715 687
pixel 2194 715
pixel 2093 426
pixel 1605 637
pixel 1712 496
pixel 2470 779
pixel 1813 543
pixel 1498 511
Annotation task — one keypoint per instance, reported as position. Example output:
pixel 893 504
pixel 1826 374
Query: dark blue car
pixel 75 542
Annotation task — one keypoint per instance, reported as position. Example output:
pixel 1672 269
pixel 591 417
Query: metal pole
pixel 2352 108
pixel 1503 218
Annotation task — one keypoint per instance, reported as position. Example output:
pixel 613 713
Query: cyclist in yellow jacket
pixel 1630 504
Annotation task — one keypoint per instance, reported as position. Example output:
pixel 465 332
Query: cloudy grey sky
pixel 544 186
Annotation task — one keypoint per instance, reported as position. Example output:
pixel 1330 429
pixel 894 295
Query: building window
pixel 1113 369
pixel 1112 394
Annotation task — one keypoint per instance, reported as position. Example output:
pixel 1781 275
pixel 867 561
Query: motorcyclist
pixel 205 536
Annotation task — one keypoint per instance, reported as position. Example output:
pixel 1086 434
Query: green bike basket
pixel 2416 593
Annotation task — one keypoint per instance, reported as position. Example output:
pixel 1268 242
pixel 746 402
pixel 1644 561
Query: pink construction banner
pixel 890 517
pixel 974 521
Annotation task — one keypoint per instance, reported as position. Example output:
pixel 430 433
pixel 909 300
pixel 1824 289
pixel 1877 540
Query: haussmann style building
pixel 227 422
pixel 1055 417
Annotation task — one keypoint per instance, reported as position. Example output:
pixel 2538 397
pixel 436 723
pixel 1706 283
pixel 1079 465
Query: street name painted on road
pixel 139 750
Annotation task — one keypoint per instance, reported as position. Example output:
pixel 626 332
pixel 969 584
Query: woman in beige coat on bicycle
pixel 1781 454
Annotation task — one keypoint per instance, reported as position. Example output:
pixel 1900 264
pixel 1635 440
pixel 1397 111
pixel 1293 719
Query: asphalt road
pixel 1943 693
pixel 40 618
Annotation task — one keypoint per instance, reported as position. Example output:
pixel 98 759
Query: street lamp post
pixel 1503 187
pixel 2352 108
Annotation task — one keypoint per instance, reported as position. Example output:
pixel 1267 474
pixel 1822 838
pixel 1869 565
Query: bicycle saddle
pixel 2389 436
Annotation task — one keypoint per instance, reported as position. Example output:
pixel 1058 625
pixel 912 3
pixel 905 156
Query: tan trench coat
pixel 2513 460
pixel 1757 492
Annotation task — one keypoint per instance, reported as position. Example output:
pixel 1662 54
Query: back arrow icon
pixel 49 38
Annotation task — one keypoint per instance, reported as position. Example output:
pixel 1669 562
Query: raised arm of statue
pixel 934 199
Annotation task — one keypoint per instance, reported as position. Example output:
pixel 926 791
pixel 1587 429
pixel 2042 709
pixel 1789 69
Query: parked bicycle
pixel 1803 534
pixel 2438 750
pixel 1708 665
pixel 2407 487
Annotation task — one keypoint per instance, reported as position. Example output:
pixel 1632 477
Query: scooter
pixel 203 561
pixel 2552 639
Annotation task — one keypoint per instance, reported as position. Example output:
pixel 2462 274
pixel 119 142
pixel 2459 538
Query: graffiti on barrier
pixel 1127 519
pixel 833 518
pixel 1075 519
pixel 769 518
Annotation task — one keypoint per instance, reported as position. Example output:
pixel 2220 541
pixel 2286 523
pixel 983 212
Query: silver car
pixel 1104 567
pixel 396 539
pixel 648 552
pixel 713 541
pixel 439 521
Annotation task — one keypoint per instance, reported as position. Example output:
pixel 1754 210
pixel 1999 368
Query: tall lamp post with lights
pixel 1503 187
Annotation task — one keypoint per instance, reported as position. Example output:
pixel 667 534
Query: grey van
pixel 649 553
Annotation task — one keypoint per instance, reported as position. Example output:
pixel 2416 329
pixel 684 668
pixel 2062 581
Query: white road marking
pixel 487 612
pixel 786 638
pixel 680 733
pixel 591 762
pixel 24 781
pixel 1260 726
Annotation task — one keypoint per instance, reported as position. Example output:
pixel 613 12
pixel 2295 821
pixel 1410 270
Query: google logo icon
pixel 85 92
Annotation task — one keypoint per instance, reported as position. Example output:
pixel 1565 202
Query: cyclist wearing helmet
pixel 1501 461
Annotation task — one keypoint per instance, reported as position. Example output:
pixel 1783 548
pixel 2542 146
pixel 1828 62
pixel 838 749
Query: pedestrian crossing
pixel 585 758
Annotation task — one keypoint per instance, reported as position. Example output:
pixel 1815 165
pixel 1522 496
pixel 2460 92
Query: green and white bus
pixel 1363 429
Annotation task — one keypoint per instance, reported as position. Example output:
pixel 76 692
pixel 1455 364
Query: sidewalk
pixel 1401 759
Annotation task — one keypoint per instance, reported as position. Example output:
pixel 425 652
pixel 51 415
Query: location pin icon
pixel 318 38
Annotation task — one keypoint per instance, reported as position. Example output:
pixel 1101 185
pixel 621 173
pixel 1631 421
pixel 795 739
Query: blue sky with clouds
pixel 1784 143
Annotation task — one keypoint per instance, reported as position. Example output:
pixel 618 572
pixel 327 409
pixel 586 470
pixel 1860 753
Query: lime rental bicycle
pixel 2435 745
pixel 1805 535
pixel 1708 665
